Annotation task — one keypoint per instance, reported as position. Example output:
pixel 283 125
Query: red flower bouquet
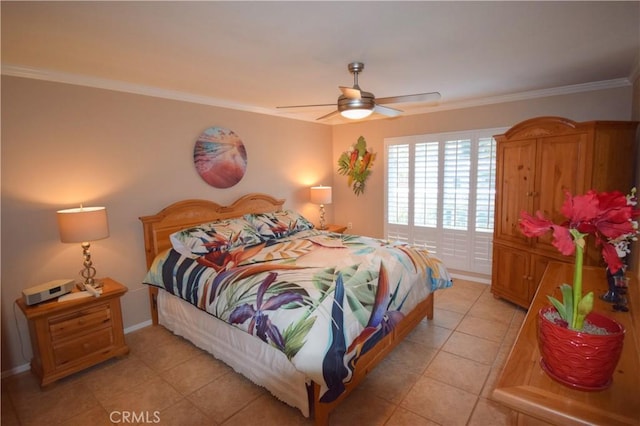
pixel 609 217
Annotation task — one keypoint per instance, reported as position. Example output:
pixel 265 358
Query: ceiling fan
pixel 355 103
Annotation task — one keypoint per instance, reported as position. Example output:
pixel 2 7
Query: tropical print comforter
pixel 323 299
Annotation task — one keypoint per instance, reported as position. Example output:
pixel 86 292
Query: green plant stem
pixel 577 276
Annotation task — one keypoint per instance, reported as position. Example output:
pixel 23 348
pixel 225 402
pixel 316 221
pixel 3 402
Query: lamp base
pixel 89 272
pixel 323 225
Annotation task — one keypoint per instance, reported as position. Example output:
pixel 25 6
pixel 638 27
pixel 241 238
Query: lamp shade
pixel 321 194
pixel 83 224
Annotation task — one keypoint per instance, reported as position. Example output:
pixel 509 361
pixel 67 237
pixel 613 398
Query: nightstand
pixel 70 336
pixel 338 229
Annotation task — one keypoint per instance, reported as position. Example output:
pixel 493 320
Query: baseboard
pixel 475 278
pixel 16 370
pixel 138 326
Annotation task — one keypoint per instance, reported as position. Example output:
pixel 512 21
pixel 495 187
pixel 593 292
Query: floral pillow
pixel 278 224
pixel 221 235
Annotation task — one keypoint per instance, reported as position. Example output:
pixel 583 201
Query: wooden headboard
pixel 183 214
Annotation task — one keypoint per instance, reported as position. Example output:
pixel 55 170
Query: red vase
pixel 576 359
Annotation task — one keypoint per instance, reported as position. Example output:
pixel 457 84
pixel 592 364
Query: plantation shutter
pixel 440 193
pixel 397 185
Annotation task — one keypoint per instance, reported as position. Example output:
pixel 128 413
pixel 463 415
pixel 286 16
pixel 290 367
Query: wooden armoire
pixel 536 161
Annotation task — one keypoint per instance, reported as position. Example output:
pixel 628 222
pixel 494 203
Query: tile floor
pixel 442 374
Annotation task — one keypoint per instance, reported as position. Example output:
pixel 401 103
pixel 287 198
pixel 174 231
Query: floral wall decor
pixel 356 164
pixel 220 157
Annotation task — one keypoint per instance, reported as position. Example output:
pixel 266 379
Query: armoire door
pixel 561 162
pixel 514 187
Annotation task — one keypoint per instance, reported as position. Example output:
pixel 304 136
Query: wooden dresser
pixel 526 388
pixel 69 336
pixel 536 161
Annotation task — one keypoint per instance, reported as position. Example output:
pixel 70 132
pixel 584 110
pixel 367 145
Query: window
pixel 440 193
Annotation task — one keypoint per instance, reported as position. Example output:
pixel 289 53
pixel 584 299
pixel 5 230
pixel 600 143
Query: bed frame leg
pixel 430 306
pixel 319 412
pixel 153 302
pixel 321 418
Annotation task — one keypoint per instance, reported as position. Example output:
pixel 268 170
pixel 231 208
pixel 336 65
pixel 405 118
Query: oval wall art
pixel 220 157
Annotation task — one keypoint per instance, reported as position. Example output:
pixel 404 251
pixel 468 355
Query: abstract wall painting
pixel 220 157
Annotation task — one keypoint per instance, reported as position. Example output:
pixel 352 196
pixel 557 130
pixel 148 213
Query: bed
pixel 305 313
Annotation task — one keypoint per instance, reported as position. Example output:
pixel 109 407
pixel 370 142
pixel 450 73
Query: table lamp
pixel 82 225
pixel 321 195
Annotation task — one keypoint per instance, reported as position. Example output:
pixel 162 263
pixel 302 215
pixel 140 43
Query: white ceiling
pixel 258 55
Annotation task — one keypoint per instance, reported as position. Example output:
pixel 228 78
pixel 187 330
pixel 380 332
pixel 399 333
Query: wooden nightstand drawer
pixel 76 322
pixel 76 349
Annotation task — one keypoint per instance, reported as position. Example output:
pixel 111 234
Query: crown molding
pixel 121 86
pixel 531 94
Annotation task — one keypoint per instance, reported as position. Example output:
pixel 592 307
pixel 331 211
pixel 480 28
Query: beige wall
pixel 63 145
pixel 366 212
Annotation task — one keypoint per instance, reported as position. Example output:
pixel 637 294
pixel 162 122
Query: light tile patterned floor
pixel 442 374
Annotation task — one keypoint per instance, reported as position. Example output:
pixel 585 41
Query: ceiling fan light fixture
pixel 356 108
pixel 356 114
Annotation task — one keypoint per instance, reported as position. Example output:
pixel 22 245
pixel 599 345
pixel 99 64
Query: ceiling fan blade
pixel 351 92
pixel 419 97
pixel 305 106
pixel 390 112
pixel 331 114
